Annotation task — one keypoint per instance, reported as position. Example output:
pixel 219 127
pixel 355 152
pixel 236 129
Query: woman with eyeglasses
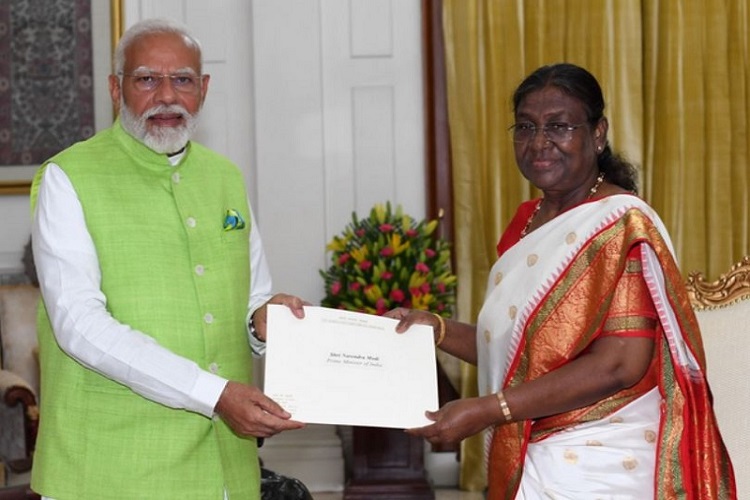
pixel 590 364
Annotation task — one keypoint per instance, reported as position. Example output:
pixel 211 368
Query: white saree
pixel 611 458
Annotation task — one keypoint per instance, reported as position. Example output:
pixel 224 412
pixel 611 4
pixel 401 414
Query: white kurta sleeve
pixel 260 283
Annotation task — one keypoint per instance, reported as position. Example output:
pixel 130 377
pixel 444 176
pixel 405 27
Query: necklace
pixel 531 218
pixel 596 185
pixel 591 194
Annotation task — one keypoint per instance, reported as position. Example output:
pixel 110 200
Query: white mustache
pixel 163 109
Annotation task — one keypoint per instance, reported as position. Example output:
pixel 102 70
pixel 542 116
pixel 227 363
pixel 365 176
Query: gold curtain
pixel 675 77
pixel 695 131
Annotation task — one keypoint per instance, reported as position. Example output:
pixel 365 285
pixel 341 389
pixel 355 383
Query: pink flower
pixel 429 252
pixel 365 265
pixel 386 251
pixel 355 286
pixel 411 233
pixel 422 267
pixel 386 275
pixel 415 291
pixel 360 232
pixel 335 287
pixel 380 306
pixel 343 258
pixel 425 287
pixel 441 287
pixel 385 228
pixel 397 295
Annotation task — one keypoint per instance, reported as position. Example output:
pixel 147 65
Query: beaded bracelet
pixel 441 332
pixel 504 406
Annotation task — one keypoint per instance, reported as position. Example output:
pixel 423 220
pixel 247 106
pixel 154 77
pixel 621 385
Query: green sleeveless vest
pixel 170 270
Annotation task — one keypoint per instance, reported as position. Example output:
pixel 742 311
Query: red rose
pixel 422 267
pixel 386 252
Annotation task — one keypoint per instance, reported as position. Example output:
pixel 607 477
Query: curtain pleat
pixel 675 77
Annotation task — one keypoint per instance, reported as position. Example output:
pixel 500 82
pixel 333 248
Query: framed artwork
pixel 47 80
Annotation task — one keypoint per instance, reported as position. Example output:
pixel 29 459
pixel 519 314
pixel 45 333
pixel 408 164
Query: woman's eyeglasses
pixel 556 132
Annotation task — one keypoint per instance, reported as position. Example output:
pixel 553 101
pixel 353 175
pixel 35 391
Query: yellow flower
pixel 396 245
pixel 337 244
pixel 416 280
pixel 422 301
pixel 373 293
pixel 380 211
pixel 360 254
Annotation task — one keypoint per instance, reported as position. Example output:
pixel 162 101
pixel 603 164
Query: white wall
pixel 14 231
pixel 338 123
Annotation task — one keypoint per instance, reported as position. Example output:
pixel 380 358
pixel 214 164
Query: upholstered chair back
pixel 723 311
pixel 18 343
pixel 19 381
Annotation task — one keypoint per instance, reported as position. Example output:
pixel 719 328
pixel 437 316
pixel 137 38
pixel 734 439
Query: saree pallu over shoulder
pixel 692 461
pixel 562 278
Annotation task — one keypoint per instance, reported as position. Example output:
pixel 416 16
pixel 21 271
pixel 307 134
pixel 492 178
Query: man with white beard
pixel 154 287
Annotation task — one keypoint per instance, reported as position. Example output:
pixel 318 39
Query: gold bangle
pixel 441 332
pixel 504 406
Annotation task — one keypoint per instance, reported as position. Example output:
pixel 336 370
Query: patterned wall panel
pixel 46 82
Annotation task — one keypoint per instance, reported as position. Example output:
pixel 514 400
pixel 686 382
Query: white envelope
pixel 347 368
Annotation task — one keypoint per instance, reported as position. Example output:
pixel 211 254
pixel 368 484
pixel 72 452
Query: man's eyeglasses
pixel 185 83
pixel 556 132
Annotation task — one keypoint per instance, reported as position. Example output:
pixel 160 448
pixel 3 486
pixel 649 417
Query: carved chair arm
pixel 727 289
pixel 14 391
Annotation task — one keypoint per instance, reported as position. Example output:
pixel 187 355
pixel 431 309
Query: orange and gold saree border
pixel 550 340
pixel 692 461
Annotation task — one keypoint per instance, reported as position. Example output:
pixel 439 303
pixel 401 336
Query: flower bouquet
pixel 389 260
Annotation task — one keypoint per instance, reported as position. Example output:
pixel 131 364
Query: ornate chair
pixel 723 311
pixel 19 380
pixel 19 374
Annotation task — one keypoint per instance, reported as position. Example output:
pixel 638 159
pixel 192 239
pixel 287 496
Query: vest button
pixel 190 221
pixel 213 368
pixel 176 177
pixel 208 318
pixel 199 270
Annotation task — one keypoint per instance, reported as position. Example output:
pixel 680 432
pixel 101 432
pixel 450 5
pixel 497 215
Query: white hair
pixel 150 27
